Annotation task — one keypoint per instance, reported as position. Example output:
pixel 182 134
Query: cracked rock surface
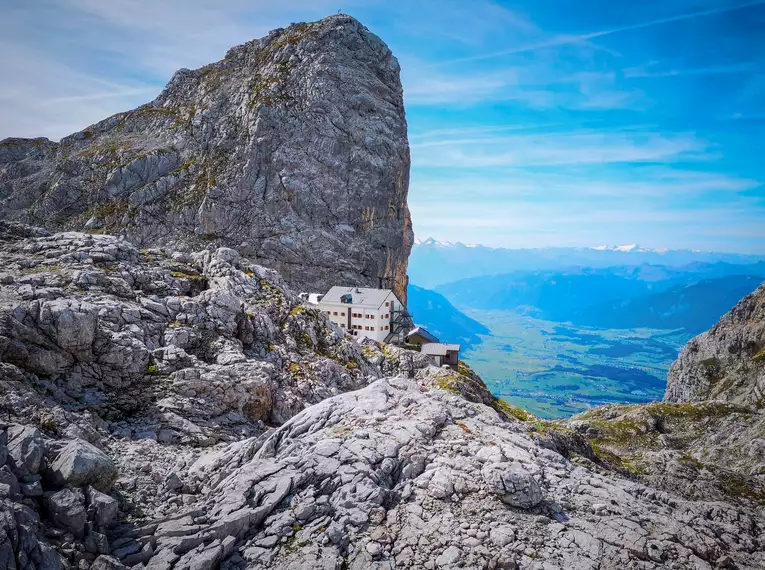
pixel 397 475
pixel 292 149
pixel 174 410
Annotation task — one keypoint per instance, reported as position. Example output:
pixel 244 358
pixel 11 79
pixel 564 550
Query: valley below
pixel 555 370
pixel 557 331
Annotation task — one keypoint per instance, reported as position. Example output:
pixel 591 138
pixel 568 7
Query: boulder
pixel 441 485
pixel 32 489
pixel 25 449
pixel 107 563
pixel 3 447
pixel 96 543
pixel 80 464
pixel 9 479
pixel 102 509
pixel 516 486
pixel 66 510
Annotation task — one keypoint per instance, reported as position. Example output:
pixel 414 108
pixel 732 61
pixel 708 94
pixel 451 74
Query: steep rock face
pixel 292 149
pixel 727 362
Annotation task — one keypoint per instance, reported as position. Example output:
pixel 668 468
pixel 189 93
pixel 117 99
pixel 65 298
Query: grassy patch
pixel 110 209
pixel 55 268
pixel 514 411
pixel 297 310
pixel 191 276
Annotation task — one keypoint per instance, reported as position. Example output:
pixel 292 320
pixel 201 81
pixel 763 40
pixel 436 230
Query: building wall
pixel 451 358
pixel 364 322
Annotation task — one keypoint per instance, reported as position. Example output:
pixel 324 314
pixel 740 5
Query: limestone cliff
pixel 292 150
pixel 727 362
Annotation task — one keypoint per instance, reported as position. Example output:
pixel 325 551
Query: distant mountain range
pixel 440 317
pixel 433 263
pixel 691 298
pixel 693 308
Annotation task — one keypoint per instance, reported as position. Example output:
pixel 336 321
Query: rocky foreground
pixel 184 411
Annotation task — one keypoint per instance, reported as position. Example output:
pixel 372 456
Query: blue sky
pixel 532 122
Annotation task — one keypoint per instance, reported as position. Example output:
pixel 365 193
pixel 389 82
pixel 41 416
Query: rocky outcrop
pixel 292 150
pixel 245 431
pixel 705 441
pixel 727 362
pixel 25 449
pixel 199 346
pixel 702 451
pixel 394 475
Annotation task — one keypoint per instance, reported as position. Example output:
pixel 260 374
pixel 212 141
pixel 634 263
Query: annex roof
pixel 311 298
pixel 423 332
pixel 360 296
pixel 439 348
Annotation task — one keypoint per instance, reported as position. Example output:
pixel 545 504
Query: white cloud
pixel 558 149
pixel 583 187
pixel 571 223
pixel 68 66
pixel 656 70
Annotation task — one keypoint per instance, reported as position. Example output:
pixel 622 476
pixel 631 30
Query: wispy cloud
pixel 655 70
pixel 539 86
pixel 524 224
pixel 566 39
pixel 72 65
pixel 423 87
pixel 665 184
pixel 558 149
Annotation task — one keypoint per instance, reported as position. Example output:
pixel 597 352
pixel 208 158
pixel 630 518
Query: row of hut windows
pixel 358 315
pixel 359 327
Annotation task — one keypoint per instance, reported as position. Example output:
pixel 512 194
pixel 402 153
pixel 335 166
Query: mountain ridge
pixel 691 298
pixel 247 152
pixel 440 317
pixel 627 248
pixel 434 264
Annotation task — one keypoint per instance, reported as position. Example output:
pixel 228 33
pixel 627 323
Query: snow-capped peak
pixel 623 248
pixel 434 242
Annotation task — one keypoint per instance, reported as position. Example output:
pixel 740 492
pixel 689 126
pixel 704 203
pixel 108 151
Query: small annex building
pixel 361 311
pixel 442 353
pixel 419 335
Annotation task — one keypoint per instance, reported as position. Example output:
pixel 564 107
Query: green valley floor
pixel 555 370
